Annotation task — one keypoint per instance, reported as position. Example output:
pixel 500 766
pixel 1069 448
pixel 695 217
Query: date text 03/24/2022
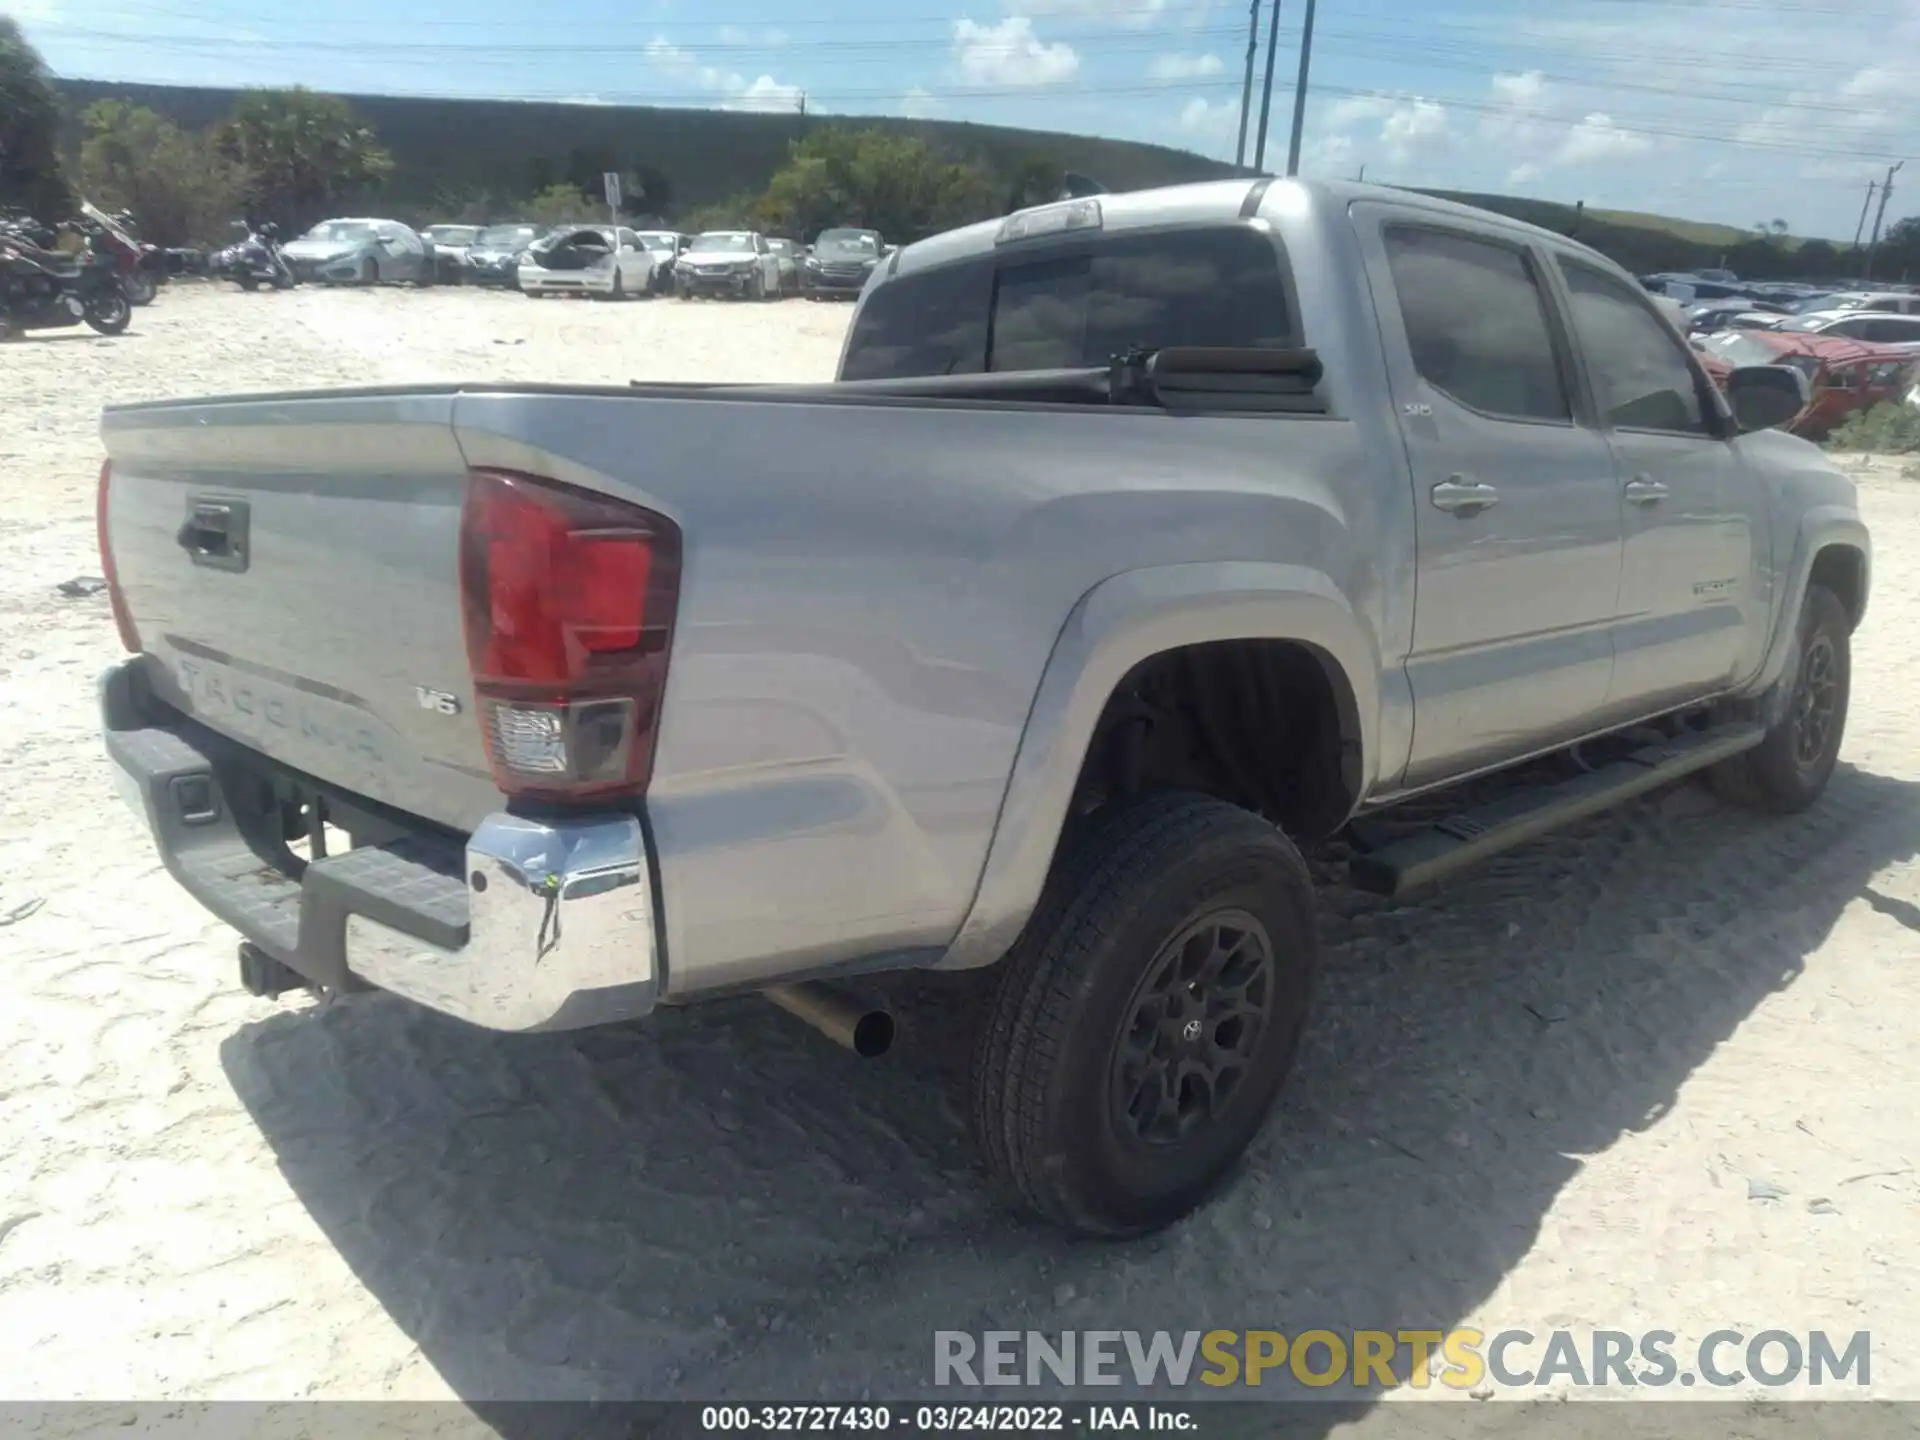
pixel 945 1419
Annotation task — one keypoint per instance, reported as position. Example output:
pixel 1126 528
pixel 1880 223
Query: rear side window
pixel 1905 330
pixel 1477 323
pixel 1218 286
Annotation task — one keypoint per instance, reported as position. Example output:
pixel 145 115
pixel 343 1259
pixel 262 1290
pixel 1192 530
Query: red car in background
pixel 1844 375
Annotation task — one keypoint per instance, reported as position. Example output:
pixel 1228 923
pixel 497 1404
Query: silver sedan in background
pixel 360 252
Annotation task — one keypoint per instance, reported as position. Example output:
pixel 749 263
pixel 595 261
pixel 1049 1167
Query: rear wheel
pixel 1147 1016
pixel 247 283
pixel 1789 769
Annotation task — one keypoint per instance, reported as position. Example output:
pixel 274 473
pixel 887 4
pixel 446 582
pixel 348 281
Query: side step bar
pixel 1470 837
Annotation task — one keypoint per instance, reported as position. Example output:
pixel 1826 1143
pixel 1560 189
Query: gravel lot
pixel 1557 1094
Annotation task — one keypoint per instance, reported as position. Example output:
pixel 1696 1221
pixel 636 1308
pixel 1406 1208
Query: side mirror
pixel 1765 396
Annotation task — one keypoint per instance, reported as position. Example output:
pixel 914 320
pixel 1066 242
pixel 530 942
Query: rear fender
pixel 1119 623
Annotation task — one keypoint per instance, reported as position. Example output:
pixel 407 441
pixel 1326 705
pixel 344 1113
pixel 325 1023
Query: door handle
pixel 1644 490
pixel 1462 496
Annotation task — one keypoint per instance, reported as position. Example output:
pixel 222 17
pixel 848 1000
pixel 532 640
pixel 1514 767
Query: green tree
pixel 30 175
pixel 561 204
pixel 178 185
pixel 896 184
pixel 302 154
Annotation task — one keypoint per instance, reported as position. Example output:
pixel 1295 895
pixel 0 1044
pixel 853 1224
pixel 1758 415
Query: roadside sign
pixel 610 182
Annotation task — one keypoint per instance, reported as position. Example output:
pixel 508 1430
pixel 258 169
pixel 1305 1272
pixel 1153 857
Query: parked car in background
pixel 1843 376
pixel 359 252
pixel 494 256
pixel 790 255
pixel 604 260
pixel 665 246
pixel 841 262
pixel 1889 302
pixel 1721 314
pixel 448 245
pixel 1874 326
pixel 737 263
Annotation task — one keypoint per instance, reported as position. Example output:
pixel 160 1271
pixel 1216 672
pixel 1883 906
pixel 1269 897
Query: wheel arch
pixel 1127 622
pixel 1831 548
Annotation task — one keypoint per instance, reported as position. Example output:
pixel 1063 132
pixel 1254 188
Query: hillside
pixel 484 156
pixel 449 151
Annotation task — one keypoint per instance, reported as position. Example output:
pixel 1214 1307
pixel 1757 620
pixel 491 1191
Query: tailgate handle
pixel 215 533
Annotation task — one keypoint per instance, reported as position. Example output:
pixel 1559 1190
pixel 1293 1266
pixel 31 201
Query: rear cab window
pixel 1077 303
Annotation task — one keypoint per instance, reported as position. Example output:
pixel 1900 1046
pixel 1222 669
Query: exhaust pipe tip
pixel 873 1035
pixel 863 1029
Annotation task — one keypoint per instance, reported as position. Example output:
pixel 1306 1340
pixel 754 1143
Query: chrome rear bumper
pixel 533 924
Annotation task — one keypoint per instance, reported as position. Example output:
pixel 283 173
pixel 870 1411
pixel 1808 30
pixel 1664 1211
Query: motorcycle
pixel 42 290
pixel 143 267
pixel 255 261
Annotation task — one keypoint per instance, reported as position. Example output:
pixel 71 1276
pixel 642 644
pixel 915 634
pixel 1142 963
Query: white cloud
pixel 1521 91
pixel 1354 110
pixel 1185 67
pixel 667 55
pixel 918 104
pixel 1209 118
pixel 1524 173
pixel 1010 54
pixel 1413 125
pixel 765 94
pixel 735 91
pixel 1597 137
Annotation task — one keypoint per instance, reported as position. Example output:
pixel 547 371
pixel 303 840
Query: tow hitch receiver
pixel 262 975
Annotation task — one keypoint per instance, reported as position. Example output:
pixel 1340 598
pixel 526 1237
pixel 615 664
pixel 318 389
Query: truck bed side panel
pixel 869 597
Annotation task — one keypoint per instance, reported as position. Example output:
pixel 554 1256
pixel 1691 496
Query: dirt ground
pixel 1656 1073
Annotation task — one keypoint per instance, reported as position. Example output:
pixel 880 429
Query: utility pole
pixel 1246 89
pixel 1300 92
pixel 1266 93
pixel 1865 205
pixel 1886 194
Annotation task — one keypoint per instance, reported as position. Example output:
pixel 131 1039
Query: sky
pixel 1739 111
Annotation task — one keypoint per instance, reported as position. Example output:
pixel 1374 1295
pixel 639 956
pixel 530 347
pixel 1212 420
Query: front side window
pixel 1477 323
pixel 1076 307
pixel 1641 374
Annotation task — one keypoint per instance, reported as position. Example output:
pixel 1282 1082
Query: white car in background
pixel 1876 327
pixel 605 260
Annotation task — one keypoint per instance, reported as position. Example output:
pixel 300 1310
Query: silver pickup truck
pixel 1143 540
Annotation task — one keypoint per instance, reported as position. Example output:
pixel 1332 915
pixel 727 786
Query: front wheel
pixel 1147 1016
pixel 108 311
pixel 1787 771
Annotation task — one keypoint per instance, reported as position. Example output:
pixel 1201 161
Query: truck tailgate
pixel 292 567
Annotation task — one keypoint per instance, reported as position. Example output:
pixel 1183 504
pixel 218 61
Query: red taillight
pixel 122 617
pixel 569 600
